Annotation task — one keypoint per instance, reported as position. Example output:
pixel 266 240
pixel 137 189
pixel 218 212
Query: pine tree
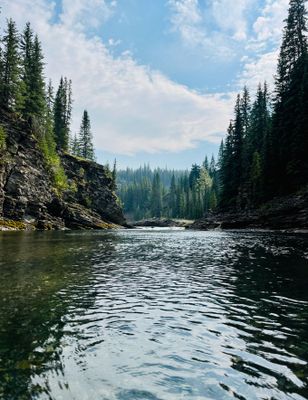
pixel 156 197
pixel 1 74
pixel 114 175
pixel 37 104
pixel 256 178
pixel 194 175
pixel 294 45
pixel 206 163
pixel 75 150
pixel 85 138
pixel 68 103
pixel 226 170
pixel 257 139
pixel 172 197
pixel 50 100
pixel 212 167
pixel 286 164
pixel 10 87
pixel 232 171
pixel 62 114
pixel 245 111
pixel 26 44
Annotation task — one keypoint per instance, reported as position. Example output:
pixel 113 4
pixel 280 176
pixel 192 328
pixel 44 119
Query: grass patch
pixel 47 144
pixel 13 225
pixel 2 138
pixel 106 225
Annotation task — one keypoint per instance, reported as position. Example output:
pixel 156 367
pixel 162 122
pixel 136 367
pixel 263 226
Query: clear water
pixel 153 315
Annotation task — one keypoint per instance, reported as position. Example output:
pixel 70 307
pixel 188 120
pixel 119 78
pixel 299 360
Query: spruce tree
pixel 245 111
pixel 288 166
pixel 10 87
pixel 75 150
pixel 1 75
pixel 37 104
pixel 114 175
pixel 206 163
pixel 172 197
pixel 156 197
pixel 256 178
pixel 294 45
pixel 63 114
pixel 85 140
pixel 26 45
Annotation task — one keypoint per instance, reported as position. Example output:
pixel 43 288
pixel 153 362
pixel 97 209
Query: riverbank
pixel 288 213
pixel 163 223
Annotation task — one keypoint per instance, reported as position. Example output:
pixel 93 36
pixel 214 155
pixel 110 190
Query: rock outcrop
pixel 285 213
pixel 162 223
pixel 27 190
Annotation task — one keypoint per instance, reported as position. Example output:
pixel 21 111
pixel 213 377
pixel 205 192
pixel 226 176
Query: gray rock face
pixel 27 191
pixel 285 213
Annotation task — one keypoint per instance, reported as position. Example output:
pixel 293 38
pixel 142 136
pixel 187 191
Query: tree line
pixel 24 92
pixel 265 153
pixel 147 193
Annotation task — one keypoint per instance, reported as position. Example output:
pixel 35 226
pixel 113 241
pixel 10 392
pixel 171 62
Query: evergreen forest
pixel 264 154
pixel 25 94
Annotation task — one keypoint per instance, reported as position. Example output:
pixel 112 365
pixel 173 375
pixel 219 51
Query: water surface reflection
pixel 153 315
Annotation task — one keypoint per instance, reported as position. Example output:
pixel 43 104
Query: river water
pixel 153 315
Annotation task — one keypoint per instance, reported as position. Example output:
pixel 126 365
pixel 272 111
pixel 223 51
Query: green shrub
pixel 2 138
pixel 44 135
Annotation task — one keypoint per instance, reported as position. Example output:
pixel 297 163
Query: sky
pixel 158 77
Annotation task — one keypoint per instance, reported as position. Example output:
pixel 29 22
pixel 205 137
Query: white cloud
pixel 269 25
pixel 267 28
pixel 259 70
pixel 226 29
pixel 186 19
pixel 231 17
pixel 132 107
pixel 94 12
pixel 195 24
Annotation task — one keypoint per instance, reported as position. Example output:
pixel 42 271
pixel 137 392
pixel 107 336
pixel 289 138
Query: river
pixel 153 315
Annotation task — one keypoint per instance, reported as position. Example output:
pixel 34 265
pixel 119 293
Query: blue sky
pixel 158 77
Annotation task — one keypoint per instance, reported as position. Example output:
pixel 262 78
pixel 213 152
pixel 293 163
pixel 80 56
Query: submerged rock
pixel 27 190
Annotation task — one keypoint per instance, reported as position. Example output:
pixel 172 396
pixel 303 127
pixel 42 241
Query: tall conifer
pixel 86 149
pixel 10 88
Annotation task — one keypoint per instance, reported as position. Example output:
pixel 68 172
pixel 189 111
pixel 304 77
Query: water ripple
pixel 154 315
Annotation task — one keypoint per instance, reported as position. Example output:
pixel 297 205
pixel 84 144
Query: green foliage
pixel 172 194
pixel 2 138
pixel 32 101
pixel 10 69
pixel 63 114
pixel 265 152
pixel 256 178
pixel 47 144
pixel 60 178
pixel 82 146
pixel 287 160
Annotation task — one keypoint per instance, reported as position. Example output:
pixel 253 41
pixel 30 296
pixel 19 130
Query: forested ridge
pixel 148 193
pixel 264 154
pixel 25 95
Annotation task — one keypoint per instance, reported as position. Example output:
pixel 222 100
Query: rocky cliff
pixel 284 213
pixel 28 194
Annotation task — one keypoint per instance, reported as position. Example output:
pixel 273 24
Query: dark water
pixel 153 315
